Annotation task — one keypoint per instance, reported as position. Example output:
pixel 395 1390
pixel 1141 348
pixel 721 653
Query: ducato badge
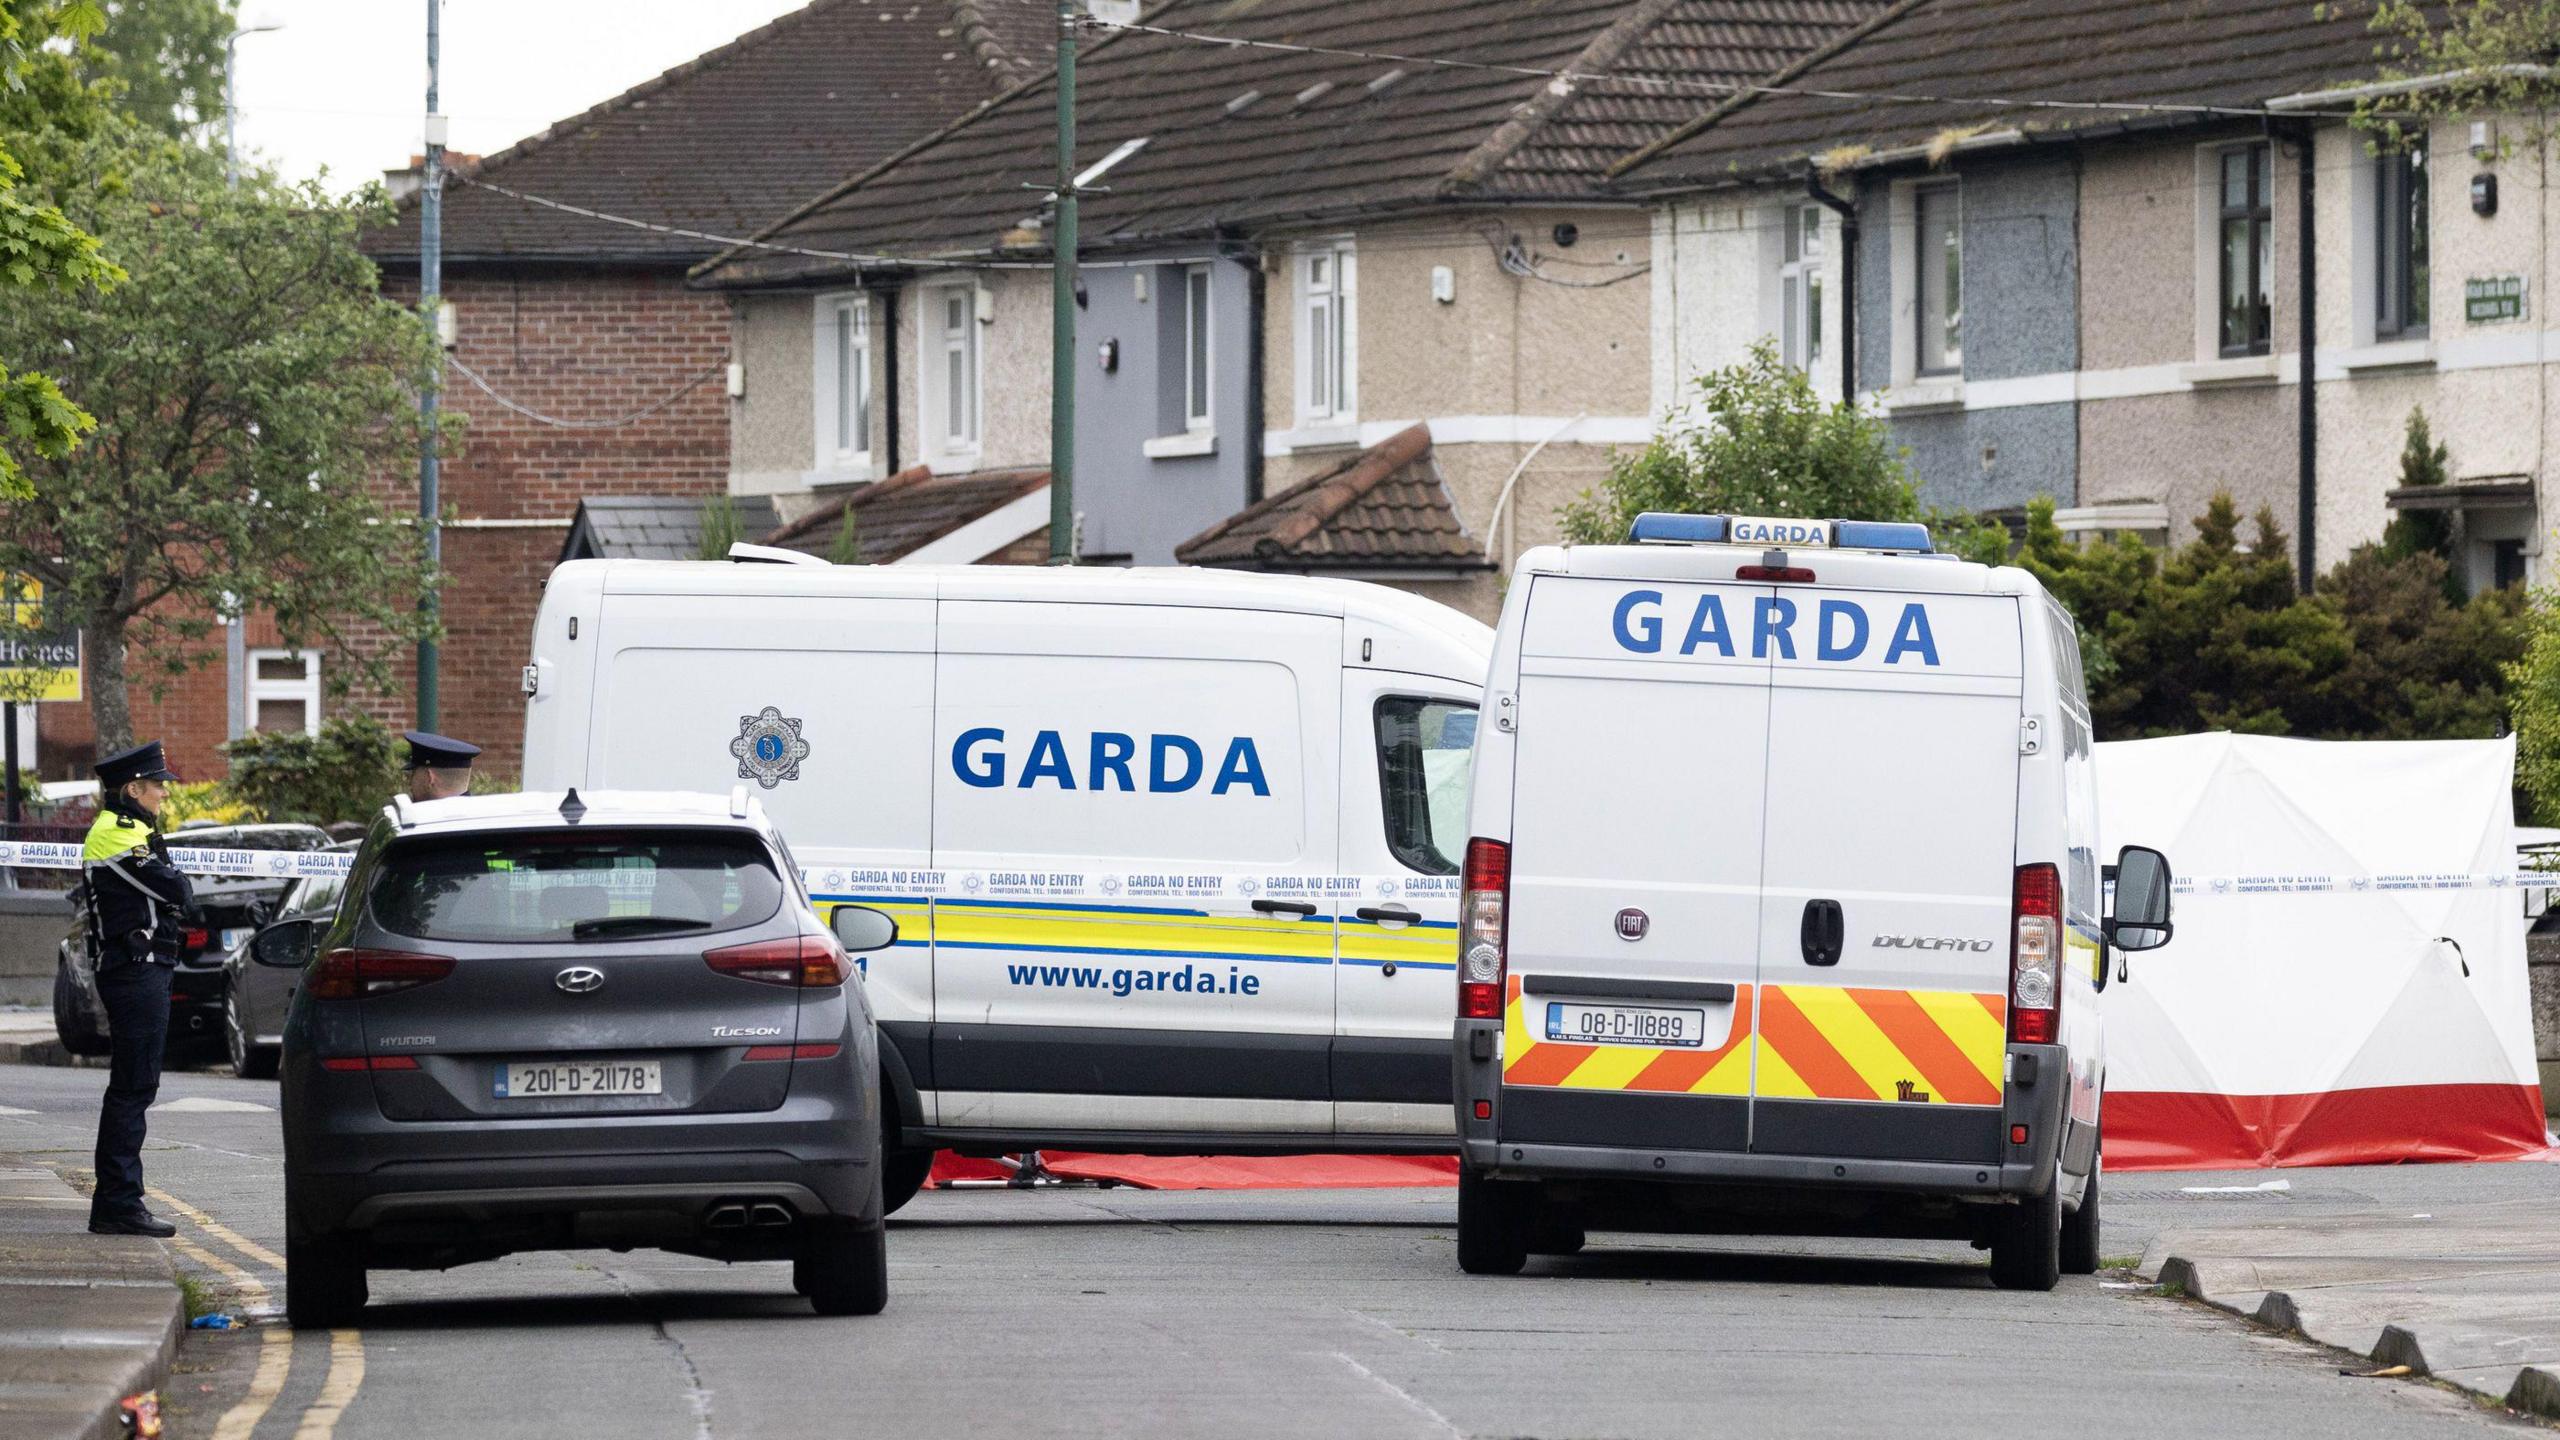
pixel 769 748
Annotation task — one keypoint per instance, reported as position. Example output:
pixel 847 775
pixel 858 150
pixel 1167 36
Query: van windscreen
pixel 569 886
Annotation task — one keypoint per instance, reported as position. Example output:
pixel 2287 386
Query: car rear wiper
pixel 622 924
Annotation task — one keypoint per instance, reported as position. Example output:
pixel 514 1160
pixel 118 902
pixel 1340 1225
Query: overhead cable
pixel 539 418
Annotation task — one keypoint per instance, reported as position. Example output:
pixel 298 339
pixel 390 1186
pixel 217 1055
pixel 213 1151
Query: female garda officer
pixel 135 900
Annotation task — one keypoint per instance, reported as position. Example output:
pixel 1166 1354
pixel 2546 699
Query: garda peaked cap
pixel 436 752
pixel 143 762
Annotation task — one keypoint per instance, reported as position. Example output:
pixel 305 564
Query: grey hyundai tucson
pixel 547 1022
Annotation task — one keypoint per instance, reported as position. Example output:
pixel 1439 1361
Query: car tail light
pixel 196 939
pixel 1484 930
pixel 807 961
pixel 793 1052
pixel 2035 957
pixel 370 1062
pixel 1775 574
pixel 350 974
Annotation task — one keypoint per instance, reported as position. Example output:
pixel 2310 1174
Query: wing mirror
pixel 286 946
pixel 859 928
pixel 2138 917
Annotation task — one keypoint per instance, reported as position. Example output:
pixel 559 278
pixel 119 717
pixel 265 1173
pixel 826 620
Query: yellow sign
pixel 39 651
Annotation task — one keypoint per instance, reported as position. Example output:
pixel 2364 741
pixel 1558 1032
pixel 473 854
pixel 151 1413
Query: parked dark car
pixel 259 979
pixel 537 1022
pixel 228 908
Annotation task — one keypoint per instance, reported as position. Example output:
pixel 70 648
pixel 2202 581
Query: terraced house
pixel 1353 279
pixel 2162 263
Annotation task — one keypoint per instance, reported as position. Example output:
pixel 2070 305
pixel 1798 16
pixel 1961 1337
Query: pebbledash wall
pixel 1504 363
pixel 585 344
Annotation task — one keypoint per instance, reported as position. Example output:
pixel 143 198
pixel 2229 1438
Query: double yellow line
pixel 275 1342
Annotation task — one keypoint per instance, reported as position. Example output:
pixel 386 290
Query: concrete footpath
pixel 85 1320
pixel 2468 1293
pixel 27 1037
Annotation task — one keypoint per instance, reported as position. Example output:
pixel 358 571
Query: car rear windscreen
pixel 575 887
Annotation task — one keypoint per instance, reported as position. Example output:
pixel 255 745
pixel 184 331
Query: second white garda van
pixel 1173 853
pixel 1783 910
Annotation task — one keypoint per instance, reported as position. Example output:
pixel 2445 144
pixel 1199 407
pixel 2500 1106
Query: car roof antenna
pixel 573 809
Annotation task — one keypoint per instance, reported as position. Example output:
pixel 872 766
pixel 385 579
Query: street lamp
pixel 230 112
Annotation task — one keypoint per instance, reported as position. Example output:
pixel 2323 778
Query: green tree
pixel 164 60
pixel 1759 441
pixel 2533 687
pixel 2424 461
pixel 346 772
pixel 249 380
pixel 846 548
pixel 2477 57
pixel 41 250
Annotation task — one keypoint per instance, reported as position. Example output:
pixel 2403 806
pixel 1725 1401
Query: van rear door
pixel 1635 865
pixel 1886 873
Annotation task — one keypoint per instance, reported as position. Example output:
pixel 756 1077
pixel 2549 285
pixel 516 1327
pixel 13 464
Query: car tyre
pixel 1553 1238
pixel 249 1060
pixel 2080 1229
pixel 324 1281
pixel 1493 1224
pixel 80 1032
pixel 903 1173
pixel 2026 1242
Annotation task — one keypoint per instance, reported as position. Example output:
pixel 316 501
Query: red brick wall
pixel 575 344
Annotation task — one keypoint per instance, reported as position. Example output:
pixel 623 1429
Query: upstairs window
pixel 1327 384
pixel 844 381
pixel 1800 287
pixel 2400 243
pixel 1939 211
pixel 2247 250
pixel 954 321
pixel 1195 348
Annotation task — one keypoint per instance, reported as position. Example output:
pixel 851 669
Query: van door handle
pixel 1821 935
pixel 1388 914
pixel 1284 907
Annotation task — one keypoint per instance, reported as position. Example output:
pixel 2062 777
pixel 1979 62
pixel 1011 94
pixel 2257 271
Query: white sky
pixel 344 83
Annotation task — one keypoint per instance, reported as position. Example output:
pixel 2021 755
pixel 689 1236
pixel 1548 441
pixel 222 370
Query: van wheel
pixel 2080 1230
pixel 324 1281
pixel 1493 1224
pixel 903 1173
pixel 2026 1242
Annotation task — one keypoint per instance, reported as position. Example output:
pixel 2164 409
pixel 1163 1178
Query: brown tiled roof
pixel 1946 55
pixel 738 134
pixel 1384 508
pixel 1244 136
pixel 652 527
pixel 898 516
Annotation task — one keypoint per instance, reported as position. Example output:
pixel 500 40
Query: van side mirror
pixel 859 928
pixel 2139 914
pixel 286 946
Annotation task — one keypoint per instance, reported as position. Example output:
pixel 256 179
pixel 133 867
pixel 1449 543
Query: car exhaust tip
pixel 770 1214
pixel 726 1217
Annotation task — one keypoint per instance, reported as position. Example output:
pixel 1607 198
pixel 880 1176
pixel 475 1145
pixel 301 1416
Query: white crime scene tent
pixel 2347 983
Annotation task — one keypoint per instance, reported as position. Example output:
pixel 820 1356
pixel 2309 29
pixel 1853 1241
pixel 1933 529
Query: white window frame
pixel 1326 276
pixel 306 689
pixel 1800 286
pixel 829 391
pixel 936 348
pixel 1199 350
pixel 1922 267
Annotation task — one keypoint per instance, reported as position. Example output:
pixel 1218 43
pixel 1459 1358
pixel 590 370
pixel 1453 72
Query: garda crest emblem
pixel 769 748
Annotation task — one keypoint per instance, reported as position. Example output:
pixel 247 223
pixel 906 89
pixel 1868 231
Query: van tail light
pixel 352 974
pixel 2035 957
pixel 1484 930
pixel 805 961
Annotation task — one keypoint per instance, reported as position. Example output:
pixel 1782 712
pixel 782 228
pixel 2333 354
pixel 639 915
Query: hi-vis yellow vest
pixel 113 835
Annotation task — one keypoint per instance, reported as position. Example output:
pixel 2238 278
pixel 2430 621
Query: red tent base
pixel 1220 1172
pixel 2384 1125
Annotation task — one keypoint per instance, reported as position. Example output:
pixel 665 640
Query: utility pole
pixel 1062 323
pixel 235 639
pixel 430 293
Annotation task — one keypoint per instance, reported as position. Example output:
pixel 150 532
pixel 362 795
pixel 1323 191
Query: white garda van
pixel 1173 853
pixel 1783 912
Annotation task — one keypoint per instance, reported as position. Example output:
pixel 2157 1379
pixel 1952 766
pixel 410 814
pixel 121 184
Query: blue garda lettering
pixel 1048 761
pixel 1771 618
pixel 1242 767
pixel 1159 779
pixel 984 770
pixel 1643 634
pixel 1112 752
pixel 1912 633
pixel 1706 627
pixel 1831 644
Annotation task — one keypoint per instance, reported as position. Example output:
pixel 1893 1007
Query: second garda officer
pixel 438 768
pixel 135 900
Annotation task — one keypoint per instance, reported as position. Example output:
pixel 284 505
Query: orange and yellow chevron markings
pixel 1837 1042
pixel 1723 1069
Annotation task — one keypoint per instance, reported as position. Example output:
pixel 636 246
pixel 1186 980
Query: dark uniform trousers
pixel 136 996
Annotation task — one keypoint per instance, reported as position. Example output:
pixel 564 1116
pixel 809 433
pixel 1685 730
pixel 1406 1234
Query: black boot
pixel 141 1222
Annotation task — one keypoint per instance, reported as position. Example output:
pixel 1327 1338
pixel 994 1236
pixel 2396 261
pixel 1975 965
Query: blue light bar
pixel 1660 527
pixel 1881 535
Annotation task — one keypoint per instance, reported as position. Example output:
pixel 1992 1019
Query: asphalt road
pixel 1090 1312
